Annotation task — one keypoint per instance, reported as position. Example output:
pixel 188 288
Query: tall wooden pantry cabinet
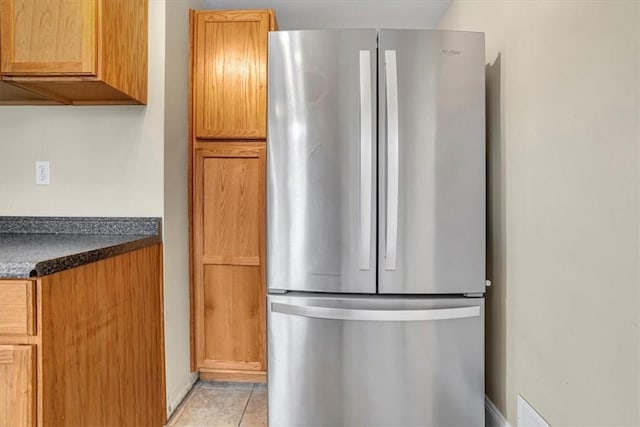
pixel 228 104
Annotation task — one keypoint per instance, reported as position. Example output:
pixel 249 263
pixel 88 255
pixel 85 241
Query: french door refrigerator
pixel 376 228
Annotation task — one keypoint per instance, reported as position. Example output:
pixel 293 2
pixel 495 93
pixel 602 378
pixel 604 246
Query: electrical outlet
pixel 43 175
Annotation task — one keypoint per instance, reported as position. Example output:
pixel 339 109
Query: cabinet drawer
pixel 17 307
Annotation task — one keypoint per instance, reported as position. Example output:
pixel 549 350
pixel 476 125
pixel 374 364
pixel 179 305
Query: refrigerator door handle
pixel 391 80
pixel 366 187
pixel 375 315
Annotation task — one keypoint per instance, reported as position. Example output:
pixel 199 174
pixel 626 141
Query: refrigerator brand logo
pixel 450 52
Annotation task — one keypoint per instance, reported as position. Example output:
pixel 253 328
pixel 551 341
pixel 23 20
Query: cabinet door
pixel 48 37
pixel 17 385
pixel 230 74
pixel 228 238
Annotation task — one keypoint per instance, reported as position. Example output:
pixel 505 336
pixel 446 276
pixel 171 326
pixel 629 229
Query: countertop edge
pixel 57 265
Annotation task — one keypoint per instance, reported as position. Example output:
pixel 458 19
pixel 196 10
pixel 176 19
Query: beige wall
pixel 176 220
pixel 563 110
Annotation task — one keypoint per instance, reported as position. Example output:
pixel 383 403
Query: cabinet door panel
pixel 230 75
pixel 230 209
pixel 48 37
pixel 17 385
pixel 233 317
pixel 228 242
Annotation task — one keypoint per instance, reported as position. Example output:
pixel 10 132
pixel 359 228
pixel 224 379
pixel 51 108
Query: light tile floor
pixel 223 404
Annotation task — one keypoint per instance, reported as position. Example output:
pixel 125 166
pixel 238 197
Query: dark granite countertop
pixel 38 246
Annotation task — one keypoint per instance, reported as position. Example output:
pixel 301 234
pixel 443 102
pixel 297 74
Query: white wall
pixel 176 220
pixel 563 110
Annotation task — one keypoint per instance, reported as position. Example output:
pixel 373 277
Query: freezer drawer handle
pixel 365 159
pixel 375 315
pixel 391 81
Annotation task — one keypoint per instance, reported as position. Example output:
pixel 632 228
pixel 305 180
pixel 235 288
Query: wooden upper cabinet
pixel 76 51
pixel 229 72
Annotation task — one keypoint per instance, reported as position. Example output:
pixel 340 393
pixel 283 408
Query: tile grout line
pixel 246 404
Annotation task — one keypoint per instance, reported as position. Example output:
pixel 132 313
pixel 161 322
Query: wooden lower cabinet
pixel 17 385
pixel 228 238
pixel 96 356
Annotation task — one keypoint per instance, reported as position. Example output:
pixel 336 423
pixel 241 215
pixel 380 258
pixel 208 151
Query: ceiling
pixel 317 14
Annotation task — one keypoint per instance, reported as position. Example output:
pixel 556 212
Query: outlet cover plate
pixel 43 173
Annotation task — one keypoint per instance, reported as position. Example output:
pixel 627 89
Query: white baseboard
pixel 174 401
pixel 528 416
pixel 493 416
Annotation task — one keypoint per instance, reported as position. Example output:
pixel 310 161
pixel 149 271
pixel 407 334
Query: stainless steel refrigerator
pixel 376 228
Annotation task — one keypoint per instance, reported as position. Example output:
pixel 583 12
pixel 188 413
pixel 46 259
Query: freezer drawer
pixel 375 361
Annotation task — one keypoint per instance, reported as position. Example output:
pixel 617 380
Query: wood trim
pixel 90 29
pixel 56 68
pixel 161 346
pixel 6 35
pixel 263 253
pixel 273 23
pixel 39 365
pixel 15 94
pixel 75 91
pixel 50 79
pixel 31 309
pixel 232 365
pixel 244 15
pixel 230 148
pixel 233 375
pixel 28 85
pixel 99 38
pixel 231 260
pixel 192 320
pixel 198 268
pixel 19 339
